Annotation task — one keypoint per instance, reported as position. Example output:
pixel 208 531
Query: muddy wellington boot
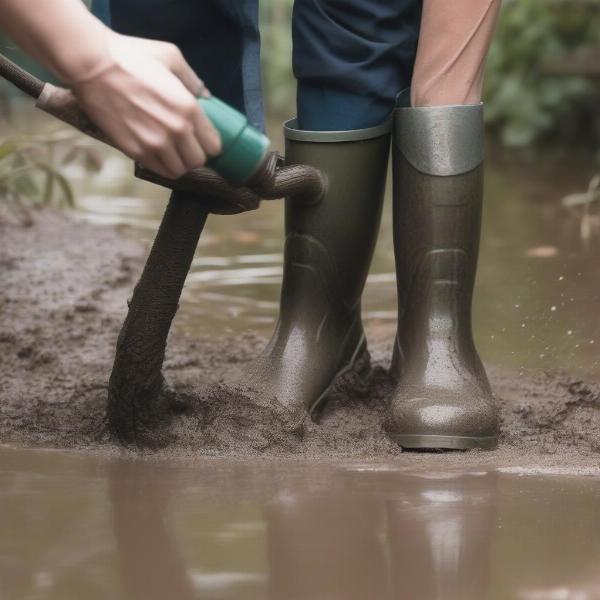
pixel 328 251
pixel 443 398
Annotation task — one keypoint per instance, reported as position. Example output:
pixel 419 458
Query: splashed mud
pixel 63 291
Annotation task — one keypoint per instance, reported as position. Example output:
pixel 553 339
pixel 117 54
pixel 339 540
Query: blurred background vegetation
pixel 529 99
pixel 526 103
pixel 538 280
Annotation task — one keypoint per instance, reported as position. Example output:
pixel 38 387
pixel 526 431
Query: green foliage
pixel 276 34
pixel 522 102
pixel 30 168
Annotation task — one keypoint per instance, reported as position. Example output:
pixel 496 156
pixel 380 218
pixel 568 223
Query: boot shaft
pixel 335 238
pixel 329 245
pixel 438 190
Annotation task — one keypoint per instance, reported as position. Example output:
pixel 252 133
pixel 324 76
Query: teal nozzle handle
pixel 243 146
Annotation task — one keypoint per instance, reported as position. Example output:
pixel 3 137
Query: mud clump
pixel 63 292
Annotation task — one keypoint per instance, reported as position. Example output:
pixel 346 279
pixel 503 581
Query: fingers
pixel 146 157
pixel 174 158
pixel 192 136
pixel 163 158
pixel 174 143
pixel 182 70
pixel 191 152
pixel 154 164
pixel 147 104
pixel 173 163
pixel 205 133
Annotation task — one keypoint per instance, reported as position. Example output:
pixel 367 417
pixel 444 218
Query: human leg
pixel 453 46
pixel 351 60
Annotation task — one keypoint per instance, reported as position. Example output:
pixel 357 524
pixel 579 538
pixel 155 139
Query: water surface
pixel 78 526
pixel 538 287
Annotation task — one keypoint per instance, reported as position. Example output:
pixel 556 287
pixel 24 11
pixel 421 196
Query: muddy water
pixel 78 526
pixel 538 288
pixel 83 526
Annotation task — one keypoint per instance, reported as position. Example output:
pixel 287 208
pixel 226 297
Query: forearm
pixel 61 34
pixel 140 93
pixel 453 45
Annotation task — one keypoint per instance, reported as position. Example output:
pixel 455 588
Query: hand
pixel 142 95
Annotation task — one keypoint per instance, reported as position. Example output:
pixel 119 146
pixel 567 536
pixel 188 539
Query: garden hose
pixel 245 160
pixel 139 400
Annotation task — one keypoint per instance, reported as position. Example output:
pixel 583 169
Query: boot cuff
pixel 440 140
pixel 291 132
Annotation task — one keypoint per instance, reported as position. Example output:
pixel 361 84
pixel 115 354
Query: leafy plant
pixel 30 169
pixel 523 102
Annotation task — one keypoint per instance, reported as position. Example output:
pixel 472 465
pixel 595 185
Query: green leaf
pixel 6 149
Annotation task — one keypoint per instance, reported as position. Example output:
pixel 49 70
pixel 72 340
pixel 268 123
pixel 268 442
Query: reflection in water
pixel 441 535
pixel 422 536
pixel 75 526
pixel 327 546
pixel 425 536
pixel 150 564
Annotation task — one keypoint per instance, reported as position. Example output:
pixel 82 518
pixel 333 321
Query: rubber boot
pixel 328 251
pixel 443 398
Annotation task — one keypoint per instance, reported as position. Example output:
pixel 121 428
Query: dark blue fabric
pixel 219 38
pixel 351 58
pixel 101 8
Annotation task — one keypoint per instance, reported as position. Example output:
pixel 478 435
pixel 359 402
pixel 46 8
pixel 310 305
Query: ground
pixel 63 291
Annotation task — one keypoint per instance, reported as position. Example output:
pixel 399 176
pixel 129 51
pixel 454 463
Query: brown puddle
pixel 538 285
pixel 76 525
pixel 82 526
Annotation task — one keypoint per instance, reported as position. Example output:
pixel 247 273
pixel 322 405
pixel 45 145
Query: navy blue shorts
pixel 350 58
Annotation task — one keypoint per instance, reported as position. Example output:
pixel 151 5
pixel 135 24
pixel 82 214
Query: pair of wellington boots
pixel 442 398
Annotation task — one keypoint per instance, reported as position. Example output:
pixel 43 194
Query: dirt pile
pixel 63 291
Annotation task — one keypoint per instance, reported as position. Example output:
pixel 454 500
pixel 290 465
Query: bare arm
pixel 140 93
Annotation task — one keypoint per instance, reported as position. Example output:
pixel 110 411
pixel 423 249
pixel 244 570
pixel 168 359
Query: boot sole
pixel 443 442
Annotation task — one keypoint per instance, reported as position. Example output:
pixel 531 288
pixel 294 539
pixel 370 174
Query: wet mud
pixel 64 287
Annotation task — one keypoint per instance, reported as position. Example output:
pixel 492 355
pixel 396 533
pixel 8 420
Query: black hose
pixel 25 81
pixel 138 398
